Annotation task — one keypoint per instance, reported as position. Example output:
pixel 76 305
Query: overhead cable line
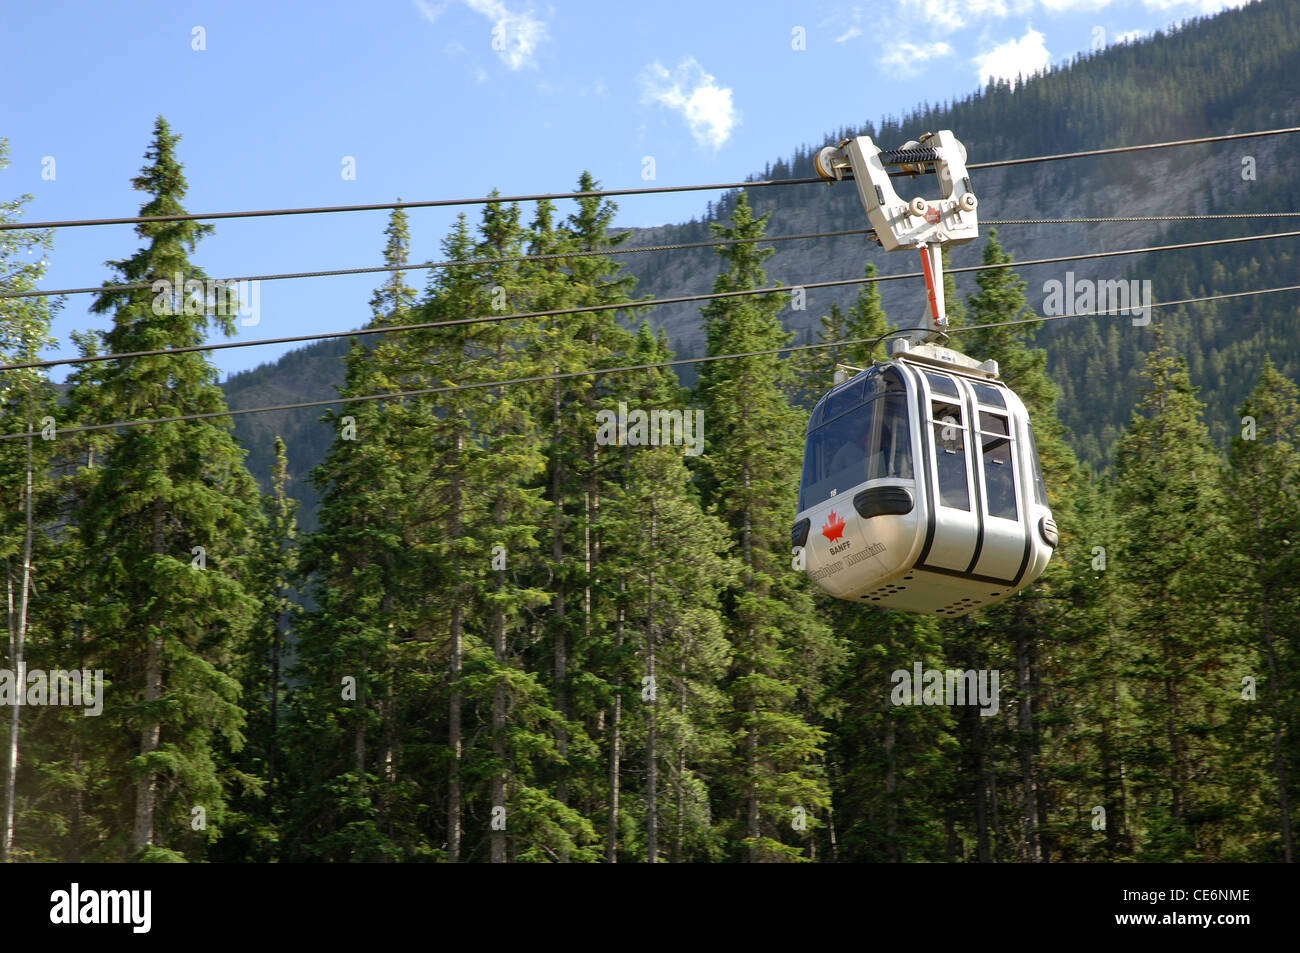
pixel 1116 150
pixel 464 263
pixel 620 250
pixel 540 378
pixel 601 193
pixel 634 305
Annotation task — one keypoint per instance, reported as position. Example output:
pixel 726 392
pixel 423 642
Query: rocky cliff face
pixel 1233 73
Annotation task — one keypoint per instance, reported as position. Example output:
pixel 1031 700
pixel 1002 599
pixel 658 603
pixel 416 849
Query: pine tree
pixel 361 646
pixel 1170 503
pixel 167 529
pixel 864 322
pixel 1264 482
pixel 26 405
pixel 258 812
pixel 1020 622
pixel 780 649
pixel 664 553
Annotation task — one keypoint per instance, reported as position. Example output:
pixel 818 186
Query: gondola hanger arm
pixel 927 225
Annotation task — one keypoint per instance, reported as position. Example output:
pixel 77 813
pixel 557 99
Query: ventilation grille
pixel 960 607
pixel 883 592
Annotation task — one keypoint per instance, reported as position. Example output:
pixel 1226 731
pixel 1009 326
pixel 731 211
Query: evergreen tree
pixel 781 651
pixel 1169 501
pixel 1016 627
pixel 864 322
pixel 529 822
pixel 167 529
pixel 1264 485
pixel 580 472
pixel 258 814
pixel 27 405
pixel 360 649
pixel 664 553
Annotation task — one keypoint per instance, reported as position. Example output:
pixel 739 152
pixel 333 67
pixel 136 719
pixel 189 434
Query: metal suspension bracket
pixel 924 224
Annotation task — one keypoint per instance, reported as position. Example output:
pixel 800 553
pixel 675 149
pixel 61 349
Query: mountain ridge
pixel 1150 90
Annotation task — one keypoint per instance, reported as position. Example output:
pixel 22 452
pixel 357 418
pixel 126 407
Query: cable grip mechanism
pixel 924 224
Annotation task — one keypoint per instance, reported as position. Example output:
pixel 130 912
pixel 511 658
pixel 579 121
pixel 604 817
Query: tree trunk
pixel 1024 722
pixel 993 804
pixel 11 763
pixel 454 703
pixel 147 788
pixel 275 698
pixel 498 793
pixel 892 852
pixel 983 853
pixel 1279 758
pixel 651 811
pixel 454 741
pixel 752 825
pixel 681 773
pixel 359 730
pixel 1171 732
pixel 591 550
pixel 615 719
pixel 559 605
pixel 17 649
pixel 1121 828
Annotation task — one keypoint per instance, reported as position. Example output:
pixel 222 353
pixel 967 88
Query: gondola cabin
pixel 921 488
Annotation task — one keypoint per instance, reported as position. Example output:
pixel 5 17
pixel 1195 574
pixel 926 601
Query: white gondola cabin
pixel 921 488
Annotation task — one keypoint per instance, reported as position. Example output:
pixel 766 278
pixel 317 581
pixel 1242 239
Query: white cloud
pixel 430 11
pixel 1075 6
pixel 706 106
pixel 515 36
pixel 946 16
pixel 848 34
pixel 906 59
pixel 1200 6
pixel 1021 57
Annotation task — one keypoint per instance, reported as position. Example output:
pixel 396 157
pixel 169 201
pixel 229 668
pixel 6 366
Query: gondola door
pixel 952 536
pixel 1004 544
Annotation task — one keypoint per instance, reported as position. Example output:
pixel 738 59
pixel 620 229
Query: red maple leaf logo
pixel 834 527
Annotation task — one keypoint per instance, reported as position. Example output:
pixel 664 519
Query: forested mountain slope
pixel 1235 72
pixel 511 635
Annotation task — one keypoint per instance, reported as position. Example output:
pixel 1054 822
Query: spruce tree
pixel 257 813
pixel 1014 629
pixel 668 558
pixel 781 651
pixel 529 823
pixel 1169 501
pixel 1264 485
pixel 27 405
pixel 362 646
pixel 167 530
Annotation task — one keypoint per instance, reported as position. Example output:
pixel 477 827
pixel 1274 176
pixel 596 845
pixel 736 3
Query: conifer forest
pixel 464 606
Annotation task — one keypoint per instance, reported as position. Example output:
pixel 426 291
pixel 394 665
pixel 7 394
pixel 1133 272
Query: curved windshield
pixel 868 442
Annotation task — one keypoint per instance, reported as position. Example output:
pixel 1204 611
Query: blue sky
pixel 447 98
